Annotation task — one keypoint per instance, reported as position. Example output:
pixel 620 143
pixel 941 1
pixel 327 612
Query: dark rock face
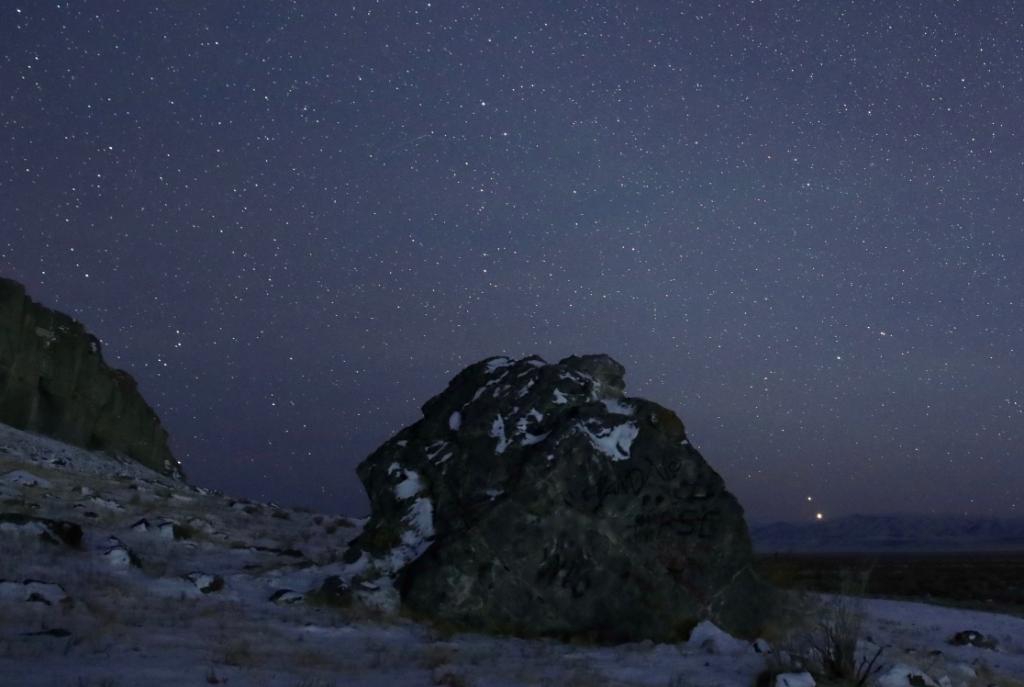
pixel 536 499
pixel 53 381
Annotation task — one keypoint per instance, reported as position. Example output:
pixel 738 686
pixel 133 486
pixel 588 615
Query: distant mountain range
pixel 893 533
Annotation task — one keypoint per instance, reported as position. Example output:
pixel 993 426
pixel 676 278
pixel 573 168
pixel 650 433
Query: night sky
pixel 800 225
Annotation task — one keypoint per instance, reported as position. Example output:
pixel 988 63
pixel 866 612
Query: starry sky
pixel 798 224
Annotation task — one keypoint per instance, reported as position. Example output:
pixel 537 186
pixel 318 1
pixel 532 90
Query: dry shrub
pixel 832 646
pixel 820 636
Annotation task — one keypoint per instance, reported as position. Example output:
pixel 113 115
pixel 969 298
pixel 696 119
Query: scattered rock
pixel 902 675
pixel 247 507
pixel 334 591
pixel 23 478
pixel 109 504
pixel 118 555
pixel 205 582
pixel 140 526
pixel 50 531
pixel 973 638
pixel 202 525
pixel 536 499
pixel 286 597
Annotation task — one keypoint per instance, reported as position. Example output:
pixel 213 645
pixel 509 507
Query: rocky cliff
pixel 536 499
pixel 53 381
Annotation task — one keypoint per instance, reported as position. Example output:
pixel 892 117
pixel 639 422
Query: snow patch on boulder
pixel 614 442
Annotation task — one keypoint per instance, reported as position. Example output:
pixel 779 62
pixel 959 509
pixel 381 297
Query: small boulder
pixel 902 675
pixel 140 526
pixel 973 638
pixel 334 591
pixel 118 555
pixel 205 582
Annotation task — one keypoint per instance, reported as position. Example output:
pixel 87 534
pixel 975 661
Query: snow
pixel 455 421
pixel 906 623
pixel 151 625
pixel 794 680
pixel 526 389
pixel 560 398
pixel 497 363
pixel 615 442
pixel 410 486
pixel 619 407
pixel 498 432
pixel 710 638
pixel 531 439
pixel 420 521
pixel 118 557
pixel 435 449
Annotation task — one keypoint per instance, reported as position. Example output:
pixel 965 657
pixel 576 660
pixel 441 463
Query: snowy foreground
pixel 173 585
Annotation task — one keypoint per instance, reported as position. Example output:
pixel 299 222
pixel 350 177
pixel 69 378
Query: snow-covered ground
pixel 174 585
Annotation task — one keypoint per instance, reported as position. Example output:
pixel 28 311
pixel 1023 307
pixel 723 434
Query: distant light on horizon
pixel 819 516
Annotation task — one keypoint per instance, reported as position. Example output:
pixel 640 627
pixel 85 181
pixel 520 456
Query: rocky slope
pixel 53 381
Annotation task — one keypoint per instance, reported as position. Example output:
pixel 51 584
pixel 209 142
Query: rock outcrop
pixel 536 499
pixel 53 381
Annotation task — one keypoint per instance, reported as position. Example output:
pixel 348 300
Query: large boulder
pixel 536 499
pixel 53 381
